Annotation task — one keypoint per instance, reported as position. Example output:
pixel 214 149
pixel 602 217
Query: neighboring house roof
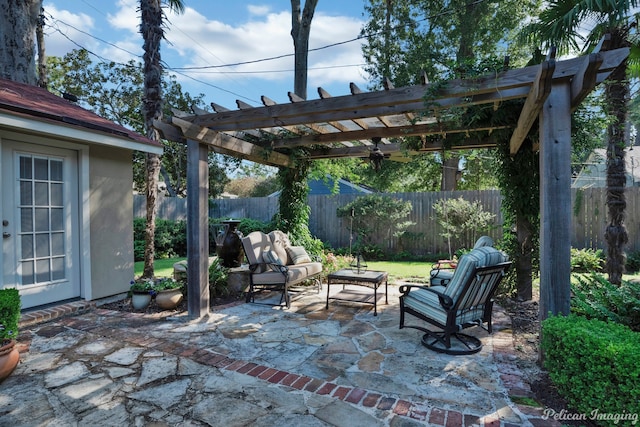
pixel 21 105
pixel 320 187
pixel 594 172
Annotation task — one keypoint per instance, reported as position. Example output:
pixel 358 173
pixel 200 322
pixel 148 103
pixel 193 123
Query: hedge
pixel 595 366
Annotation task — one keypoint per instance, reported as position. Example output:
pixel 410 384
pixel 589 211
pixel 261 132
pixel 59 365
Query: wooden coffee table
pixel 369 279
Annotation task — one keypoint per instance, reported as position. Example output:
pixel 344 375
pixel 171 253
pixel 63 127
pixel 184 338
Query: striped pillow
pixel 271 258
pixel 298 255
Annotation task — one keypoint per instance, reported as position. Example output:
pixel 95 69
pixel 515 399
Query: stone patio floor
pixel 257 365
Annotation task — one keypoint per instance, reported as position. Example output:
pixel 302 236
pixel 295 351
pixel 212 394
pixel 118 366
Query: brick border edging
pixel 512 377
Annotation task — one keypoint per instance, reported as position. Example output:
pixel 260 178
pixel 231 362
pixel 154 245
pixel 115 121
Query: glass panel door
pixel 41 234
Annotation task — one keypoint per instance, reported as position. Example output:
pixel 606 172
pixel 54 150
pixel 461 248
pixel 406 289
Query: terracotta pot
pixel 140 300
pixel 169 299
pixel 9 358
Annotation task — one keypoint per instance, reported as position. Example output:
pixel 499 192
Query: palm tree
pixel 152 30
pixel 562 25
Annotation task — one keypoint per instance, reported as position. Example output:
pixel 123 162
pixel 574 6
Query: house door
pixel 40 249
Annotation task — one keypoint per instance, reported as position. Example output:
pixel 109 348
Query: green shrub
pixel 218 279
pixel 138 238
pixel 170 238
pixel 376 219
pixel 248 225
pixel 594 365
pixel 587 260
pixel 596 298
pixel 633 262
pixel 369 252
pixel 9 313
pixel 462 221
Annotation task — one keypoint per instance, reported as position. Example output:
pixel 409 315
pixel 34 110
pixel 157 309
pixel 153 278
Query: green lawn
pixel 162 267
pixel 396 269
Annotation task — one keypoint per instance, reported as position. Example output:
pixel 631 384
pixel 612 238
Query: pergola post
pixel 555 202
pixel 197 229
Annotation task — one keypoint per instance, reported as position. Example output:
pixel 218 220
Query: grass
pixel 162 267
pixel 402 269
pixel 397 269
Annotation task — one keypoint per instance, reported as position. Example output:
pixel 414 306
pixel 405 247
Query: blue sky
pixel 214 33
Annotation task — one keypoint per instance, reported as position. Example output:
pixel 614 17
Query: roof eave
pixel 73 133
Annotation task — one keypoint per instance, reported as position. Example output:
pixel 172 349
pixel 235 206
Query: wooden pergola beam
pixel 533 104
pixel 226 142
pixel 399 131
pixel 585 79
pixel 392 148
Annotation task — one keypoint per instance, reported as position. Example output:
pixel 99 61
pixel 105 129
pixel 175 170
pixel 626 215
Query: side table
pixel 369 279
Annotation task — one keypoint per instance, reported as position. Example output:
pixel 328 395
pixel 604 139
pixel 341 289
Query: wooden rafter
pixel 539 92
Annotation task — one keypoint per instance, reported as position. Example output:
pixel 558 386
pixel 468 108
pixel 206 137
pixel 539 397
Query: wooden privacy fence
pixel 588 205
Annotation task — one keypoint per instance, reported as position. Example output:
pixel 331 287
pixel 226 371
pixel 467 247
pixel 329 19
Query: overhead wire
pixel 181 70
pixel 360 37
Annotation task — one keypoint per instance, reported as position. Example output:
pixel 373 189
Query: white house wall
pixel 111 201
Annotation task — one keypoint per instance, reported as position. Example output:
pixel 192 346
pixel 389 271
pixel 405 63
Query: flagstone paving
pixel 257 365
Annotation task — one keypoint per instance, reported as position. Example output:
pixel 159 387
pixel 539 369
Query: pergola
pixel 345 126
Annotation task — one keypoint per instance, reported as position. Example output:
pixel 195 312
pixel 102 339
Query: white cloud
pixel 204 42
pixel 258 10
pixel 127 16
pixel 64 28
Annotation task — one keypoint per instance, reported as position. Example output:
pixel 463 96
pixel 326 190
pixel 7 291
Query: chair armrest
pixel 405 289
pixel 254 267
pixel 278 267
pixel 445 300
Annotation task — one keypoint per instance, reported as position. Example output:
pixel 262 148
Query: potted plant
pixel 141 293
pixel 9 319
pixel 168 292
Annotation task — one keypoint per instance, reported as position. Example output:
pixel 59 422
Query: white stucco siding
pixel 111 219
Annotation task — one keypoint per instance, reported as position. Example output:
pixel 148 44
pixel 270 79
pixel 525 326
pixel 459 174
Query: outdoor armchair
pixel 466 301
pixel 442 271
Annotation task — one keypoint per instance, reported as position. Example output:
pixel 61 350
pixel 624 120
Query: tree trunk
pixel 42 57
pixel 300 30
pixel 18 21
pixel 616 93
pixel 152 33
pixel 450 173
pixel 523 263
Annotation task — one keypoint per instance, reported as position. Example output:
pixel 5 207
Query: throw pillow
pixel 298 254
pixel 271 258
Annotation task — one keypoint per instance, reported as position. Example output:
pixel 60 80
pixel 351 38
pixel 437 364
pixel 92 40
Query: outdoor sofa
pixel 276 265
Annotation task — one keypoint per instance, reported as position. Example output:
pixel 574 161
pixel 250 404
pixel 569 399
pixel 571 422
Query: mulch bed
pixel 125 305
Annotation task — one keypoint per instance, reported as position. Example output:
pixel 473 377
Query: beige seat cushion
pixel 254 245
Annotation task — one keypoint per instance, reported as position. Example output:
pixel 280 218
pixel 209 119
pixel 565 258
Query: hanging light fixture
pixel 376 156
